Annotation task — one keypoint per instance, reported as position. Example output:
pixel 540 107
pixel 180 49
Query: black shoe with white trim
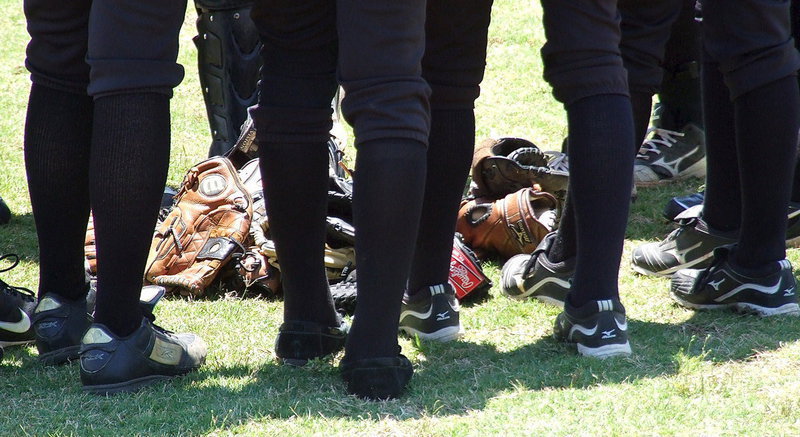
pixel 720 286
pixel 535 276
pixel 598 328
pixel 432 314
pixel 692 244
pixel 16 307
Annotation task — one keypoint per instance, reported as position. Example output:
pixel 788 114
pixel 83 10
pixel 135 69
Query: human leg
pixel 293 119
pixel 57 143
pixel 453 66
pixel 132 54
pixel 757 61
pixel 585 70
pixel 386 101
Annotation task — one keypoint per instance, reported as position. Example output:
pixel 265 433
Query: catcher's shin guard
pixel 228 62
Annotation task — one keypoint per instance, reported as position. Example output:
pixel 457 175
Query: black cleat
pixel 299 341
pixel 599 328
pixel 59 325
pixel 692 244
pixel 720 286
pixel 535 276
pixel 377 378
pixel 110 364
pixel 16 307
pixel 432 314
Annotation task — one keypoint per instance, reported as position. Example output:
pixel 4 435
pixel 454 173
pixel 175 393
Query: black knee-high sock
pixel 601 174
pixel 58 133
pixel 296 185
pixel 565 244
pixel 766 139
pixel 722 207
pixel 388 191
pixel 642 107
pixel 796 180
pixel 129 162
pixel 451 143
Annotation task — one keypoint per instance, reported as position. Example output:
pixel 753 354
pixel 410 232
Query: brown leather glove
pixel 509 226
pixel 208 224
pixel 505 165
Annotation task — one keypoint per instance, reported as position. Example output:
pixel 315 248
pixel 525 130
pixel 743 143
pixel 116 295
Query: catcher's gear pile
pixel 217 229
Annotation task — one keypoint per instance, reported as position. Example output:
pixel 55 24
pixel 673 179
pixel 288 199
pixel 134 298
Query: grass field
pixel 690 373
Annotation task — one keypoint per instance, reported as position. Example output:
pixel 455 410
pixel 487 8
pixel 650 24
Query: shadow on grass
pixel 451 378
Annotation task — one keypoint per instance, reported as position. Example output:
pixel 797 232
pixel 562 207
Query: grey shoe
pixel 669 156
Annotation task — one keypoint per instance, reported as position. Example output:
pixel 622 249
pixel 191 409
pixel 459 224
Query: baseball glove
pixel 505 165
pixel 207 226
pixel 509 226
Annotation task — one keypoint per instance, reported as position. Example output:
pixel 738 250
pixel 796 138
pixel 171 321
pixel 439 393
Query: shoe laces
pixel 659 138
pixel 558 161
pixel 13 291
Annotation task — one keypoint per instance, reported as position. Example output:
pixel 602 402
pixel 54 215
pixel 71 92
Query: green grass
pixel 690 374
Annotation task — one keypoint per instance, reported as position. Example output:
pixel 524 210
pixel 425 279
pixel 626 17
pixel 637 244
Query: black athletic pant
pixel 97 134
pixel 750 101
pixel 378 61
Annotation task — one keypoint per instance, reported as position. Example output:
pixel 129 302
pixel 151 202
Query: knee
pixel 574 77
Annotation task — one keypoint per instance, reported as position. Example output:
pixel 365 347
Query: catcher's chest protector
pixel 209 223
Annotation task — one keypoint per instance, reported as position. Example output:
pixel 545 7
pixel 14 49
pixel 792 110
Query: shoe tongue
pixel 149 297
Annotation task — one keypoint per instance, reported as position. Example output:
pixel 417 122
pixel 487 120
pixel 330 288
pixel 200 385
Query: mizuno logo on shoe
pixel 443 316
pixel 716 284
pixel 609 334
pixel 672 166
pixel 23 325
pixel 789 291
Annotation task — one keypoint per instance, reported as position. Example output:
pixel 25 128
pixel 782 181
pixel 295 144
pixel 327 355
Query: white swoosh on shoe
pixel 23 325
pixel 417 314
pixel 760 288
pixel 582 330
